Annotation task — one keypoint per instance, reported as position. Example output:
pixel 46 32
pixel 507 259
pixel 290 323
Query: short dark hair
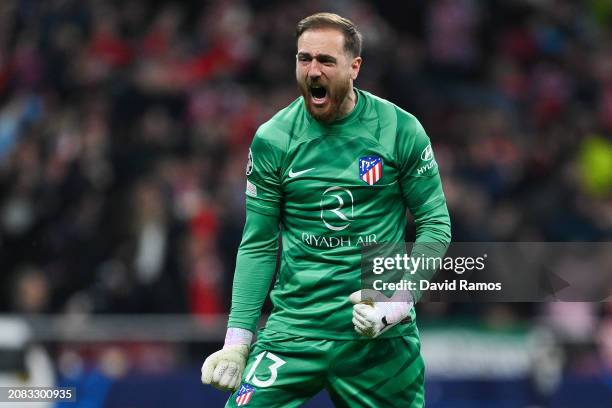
pixel 352 36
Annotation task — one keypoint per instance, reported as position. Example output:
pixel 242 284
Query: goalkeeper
pixel 336 170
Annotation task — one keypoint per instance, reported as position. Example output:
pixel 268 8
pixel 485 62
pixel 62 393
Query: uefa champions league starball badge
pixel 249 166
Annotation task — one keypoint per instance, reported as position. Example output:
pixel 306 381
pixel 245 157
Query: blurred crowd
pixel 125 126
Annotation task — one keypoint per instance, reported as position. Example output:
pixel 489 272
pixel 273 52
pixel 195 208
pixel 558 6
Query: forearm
pixel 255 266
pixel 433 236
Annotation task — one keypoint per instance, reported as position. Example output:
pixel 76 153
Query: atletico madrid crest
pixel 370 169
pixel 244 394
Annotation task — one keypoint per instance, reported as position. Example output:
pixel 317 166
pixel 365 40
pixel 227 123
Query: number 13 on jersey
pixel 252 378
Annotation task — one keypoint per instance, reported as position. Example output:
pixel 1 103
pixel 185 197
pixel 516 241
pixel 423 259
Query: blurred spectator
pixel 31 292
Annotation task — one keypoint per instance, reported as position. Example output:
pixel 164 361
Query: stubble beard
pixel 338 93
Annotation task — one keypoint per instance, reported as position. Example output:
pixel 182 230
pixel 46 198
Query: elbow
pixel 435 229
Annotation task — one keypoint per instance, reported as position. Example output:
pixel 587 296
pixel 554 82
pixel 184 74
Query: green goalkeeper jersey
pixel 332 188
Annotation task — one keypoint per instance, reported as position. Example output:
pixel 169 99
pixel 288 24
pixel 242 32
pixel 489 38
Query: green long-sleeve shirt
pixel 332 189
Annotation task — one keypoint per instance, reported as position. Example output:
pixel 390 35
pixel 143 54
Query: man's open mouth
pixel 319 94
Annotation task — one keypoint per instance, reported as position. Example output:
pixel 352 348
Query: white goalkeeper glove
pixel 375 313
pixel 223 369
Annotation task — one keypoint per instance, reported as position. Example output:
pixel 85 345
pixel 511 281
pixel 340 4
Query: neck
pixel 348 104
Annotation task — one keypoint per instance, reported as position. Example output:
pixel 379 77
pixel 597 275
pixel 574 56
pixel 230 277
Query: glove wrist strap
pixel 236 336
pixel 399 306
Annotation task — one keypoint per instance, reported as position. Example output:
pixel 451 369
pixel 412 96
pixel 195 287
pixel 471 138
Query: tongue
pixel 319 96
pixel 319 101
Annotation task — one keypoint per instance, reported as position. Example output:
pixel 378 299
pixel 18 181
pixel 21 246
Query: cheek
pixel 301 73
pixel 340 79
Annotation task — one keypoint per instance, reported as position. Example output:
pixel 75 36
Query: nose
pixel 314 70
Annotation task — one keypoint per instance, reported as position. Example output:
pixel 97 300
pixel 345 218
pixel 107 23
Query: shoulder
pixel 388 111
pixel 281 128
pixel 399 126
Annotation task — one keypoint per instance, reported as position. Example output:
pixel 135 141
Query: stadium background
pixel 124 128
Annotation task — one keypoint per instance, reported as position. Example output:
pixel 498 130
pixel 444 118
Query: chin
pixel 326 116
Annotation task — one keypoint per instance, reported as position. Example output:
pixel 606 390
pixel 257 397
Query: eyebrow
pixel 320 57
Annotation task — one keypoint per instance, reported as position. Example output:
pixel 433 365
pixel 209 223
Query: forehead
pixel 316 41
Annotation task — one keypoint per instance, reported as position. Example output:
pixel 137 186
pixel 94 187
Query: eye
pixel 327 61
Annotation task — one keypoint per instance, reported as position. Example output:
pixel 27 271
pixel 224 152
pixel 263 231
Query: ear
pixel 355 66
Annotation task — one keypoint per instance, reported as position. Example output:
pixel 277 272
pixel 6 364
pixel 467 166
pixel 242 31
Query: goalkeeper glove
pixel 223 369
pixel 375 313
